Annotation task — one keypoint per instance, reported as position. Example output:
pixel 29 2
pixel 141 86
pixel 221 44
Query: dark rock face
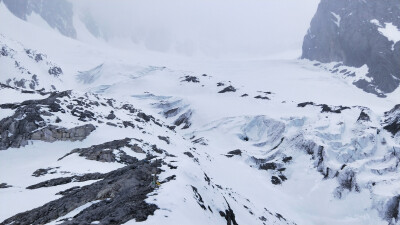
pixel 324 107
pixel 106 152
pixel 191 79
pixel 116 199
pixel 184 119
pixel 4 185
pixel 27 123
pixel 235 152
pixel 229 215
pixel 57 13
pixel 230 88
pixel 348 31
pixel 392 120
pixel 42 172
pixel 66 180
pixel 391 213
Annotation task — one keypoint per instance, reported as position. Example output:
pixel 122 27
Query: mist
pixel 211 28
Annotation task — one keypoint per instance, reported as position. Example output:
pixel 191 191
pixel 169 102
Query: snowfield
pixel 258 141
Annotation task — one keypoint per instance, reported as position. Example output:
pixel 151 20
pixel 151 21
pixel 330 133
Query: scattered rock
pixel 262 97
pixel 166 139
pixel 191 79
pixel 230 88
pixel 184 119
pixel 189 154
pixel 111 124
pixel 69 191
pixel 42 172
pixel 324 107
pixel 275 180
pixel 234 152
pixel 55 71
pixel 268 166
pixel 111 116
pixel 4 185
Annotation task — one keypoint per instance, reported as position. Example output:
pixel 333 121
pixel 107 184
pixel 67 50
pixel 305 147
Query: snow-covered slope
pixel 267 141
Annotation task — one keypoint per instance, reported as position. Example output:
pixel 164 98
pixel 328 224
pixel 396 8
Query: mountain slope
pixel 269 141
pixel 57 13
pixel 356 34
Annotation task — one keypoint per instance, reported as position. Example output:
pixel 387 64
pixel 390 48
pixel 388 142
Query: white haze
pixel 211 28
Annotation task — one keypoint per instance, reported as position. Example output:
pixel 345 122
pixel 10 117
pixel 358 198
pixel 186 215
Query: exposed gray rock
pixel 230 88
pixel 122 195
pixel 111 116
pixel 184 119
pixel 233 153
pixel 42 172
pixel 52 133
pixel 106 152
pixel 324 107
pixel 342 31
pixel 163 138
pixel 4 185
pixel 55 71
pixel 66 180
pixel 189 79
pixel 27 123
pixel 189 154
pixel 392 120
pixel 57 13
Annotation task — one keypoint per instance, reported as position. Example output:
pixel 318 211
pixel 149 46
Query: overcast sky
pixel 214 28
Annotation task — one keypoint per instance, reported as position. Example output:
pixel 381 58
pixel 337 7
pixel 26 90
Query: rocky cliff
pixel 358 33
pixel 57 13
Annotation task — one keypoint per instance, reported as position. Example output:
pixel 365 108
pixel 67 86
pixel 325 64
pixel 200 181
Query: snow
pixel 337 19
pixel 14 96
pixel 74 213
pixel 390 31
pixel 148 80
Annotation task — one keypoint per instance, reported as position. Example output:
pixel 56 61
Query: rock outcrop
pixel 392 120
pixel 116 199
pixel 28 123
pixel 108 152
pixel 355 33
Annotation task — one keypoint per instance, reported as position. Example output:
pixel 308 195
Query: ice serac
pixel 57 13
pixel 353 33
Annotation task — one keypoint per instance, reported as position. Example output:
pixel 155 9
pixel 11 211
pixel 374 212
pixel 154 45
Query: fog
pixel 212 28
